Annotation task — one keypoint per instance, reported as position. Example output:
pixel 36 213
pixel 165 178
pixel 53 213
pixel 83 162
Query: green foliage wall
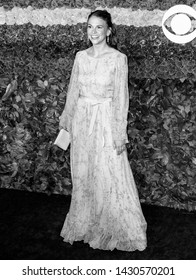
pixel 35 66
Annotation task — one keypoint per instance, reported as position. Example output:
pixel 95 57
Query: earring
pixel 88 41
pixel 108 39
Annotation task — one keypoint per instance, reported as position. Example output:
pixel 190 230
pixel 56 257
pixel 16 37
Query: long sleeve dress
pixel 105 210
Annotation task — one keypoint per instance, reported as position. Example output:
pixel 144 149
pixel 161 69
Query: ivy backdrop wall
pixel 38 42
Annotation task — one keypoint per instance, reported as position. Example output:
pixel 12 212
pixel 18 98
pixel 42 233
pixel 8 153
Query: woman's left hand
pixel 119 146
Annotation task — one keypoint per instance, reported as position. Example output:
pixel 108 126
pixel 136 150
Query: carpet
pixel 30 224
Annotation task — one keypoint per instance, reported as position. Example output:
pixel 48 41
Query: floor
pixel 30 224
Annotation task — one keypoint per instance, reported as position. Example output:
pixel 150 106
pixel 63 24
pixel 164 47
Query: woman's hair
pixel 106 16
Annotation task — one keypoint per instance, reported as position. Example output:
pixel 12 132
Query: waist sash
pixel 96 103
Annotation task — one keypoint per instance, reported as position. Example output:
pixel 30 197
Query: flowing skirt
pixel 105 210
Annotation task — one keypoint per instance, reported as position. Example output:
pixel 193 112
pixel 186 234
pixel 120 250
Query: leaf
pixel 194 160
pixel 54 87
pixel 165 125
pixel 187 109
pixel 66 181
pixel 151 99
pixel 182 79
pixel 18 98
pixel 15 169
pixel 16 114
pixel 16 107
pixel 165 159
pixel 45 83
pixel 41 84
pixel 157 155
pixel 10 89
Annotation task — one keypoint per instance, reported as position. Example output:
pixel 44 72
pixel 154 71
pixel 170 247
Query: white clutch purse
pixel 63 139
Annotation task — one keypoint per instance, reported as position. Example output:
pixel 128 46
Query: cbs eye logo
pixel 179 24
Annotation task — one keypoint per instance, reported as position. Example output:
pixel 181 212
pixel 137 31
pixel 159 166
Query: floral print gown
pixel 105 209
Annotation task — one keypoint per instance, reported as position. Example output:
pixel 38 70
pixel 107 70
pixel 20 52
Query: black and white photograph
pixel 98 138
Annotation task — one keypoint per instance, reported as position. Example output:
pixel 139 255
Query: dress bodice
pixel 96 75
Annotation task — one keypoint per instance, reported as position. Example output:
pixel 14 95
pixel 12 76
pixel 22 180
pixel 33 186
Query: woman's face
pixel 97 30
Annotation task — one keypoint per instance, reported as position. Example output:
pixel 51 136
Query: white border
pixel 115 269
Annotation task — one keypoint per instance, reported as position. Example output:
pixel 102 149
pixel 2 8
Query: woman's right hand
pixel 119 146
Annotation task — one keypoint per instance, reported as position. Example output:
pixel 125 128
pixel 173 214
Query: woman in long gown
pixel 105 210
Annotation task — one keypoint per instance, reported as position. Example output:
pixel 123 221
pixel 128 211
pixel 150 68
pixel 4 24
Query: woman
pixel 105 210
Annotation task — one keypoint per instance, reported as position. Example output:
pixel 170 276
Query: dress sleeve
pixel 71 99
pixel 120 104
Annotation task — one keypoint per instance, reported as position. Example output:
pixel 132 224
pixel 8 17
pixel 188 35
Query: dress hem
pixel 108 247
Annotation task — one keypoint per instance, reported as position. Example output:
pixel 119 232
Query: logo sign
pixel 180 24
